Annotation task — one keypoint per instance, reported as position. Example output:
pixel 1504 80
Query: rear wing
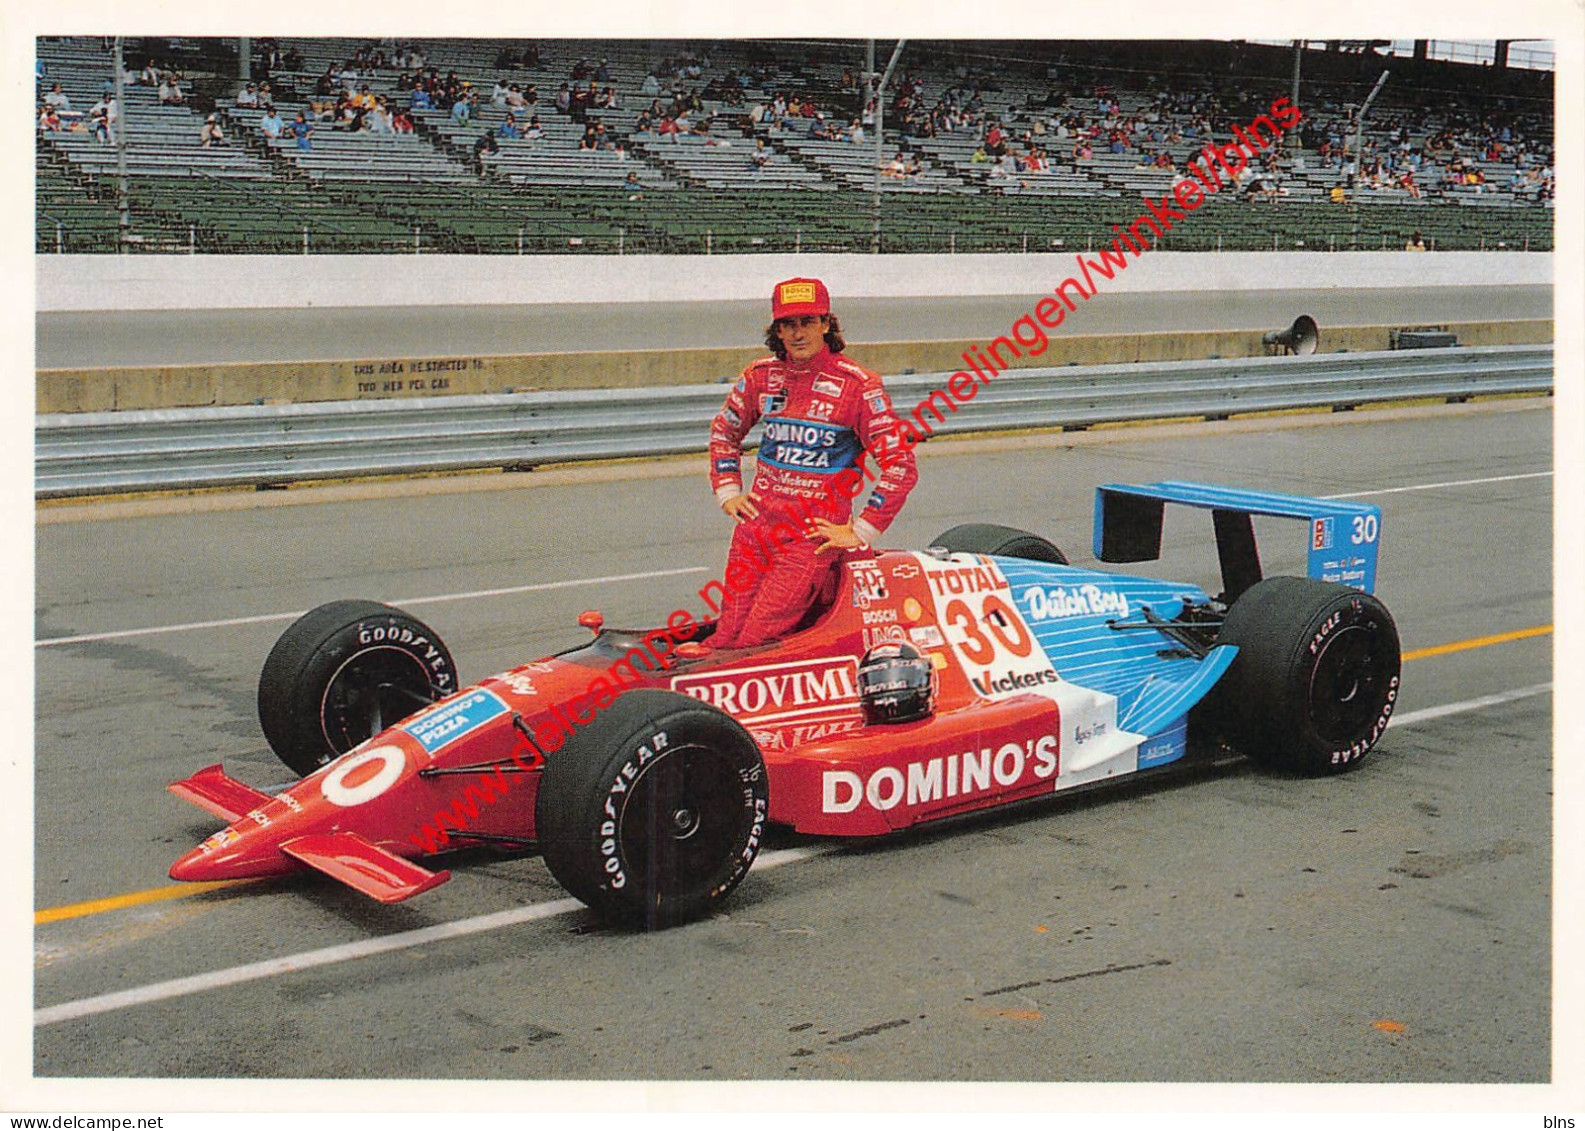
pixel 1344 537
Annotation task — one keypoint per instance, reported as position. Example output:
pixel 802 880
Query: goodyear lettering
pixel 973 772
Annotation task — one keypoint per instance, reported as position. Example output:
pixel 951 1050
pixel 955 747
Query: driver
pixel 822 415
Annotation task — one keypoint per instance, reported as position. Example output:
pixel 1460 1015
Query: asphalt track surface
pixel 1224 924
pixel 74 339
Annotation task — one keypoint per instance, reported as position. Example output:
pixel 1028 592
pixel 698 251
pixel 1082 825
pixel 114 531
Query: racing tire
pixel 344 672
pixel 1316 676
pixel 653 812
pixel 1003 541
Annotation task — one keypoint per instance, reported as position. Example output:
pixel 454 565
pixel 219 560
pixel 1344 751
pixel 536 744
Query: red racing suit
pixel 821 418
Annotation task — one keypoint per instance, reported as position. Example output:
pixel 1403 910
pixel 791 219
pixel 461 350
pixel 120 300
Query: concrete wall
pixel 167 282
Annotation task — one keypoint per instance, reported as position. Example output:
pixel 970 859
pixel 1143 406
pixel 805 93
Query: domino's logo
pixel 1321 534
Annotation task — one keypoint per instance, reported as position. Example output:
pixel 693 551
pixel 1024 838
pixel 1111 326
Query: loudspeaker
pixel 1301 338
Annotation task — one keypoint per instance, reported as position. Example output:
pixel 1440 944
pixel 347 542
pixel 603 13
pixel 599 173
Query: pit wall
pixel 210 282
pixel 192 386
pixel 86 283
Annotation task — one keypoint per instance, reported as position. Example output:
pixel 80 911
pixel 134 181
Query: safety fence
pixel 265 445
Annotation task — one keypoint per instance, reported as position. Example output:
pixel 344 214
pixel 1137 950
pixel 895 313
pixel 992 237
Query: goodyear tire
pixel 344 672
pixel 1316 677
pixel 653 812
pixel 1005 541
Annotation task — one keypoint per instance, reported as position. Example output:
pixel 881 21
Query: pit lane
pixel 1229 924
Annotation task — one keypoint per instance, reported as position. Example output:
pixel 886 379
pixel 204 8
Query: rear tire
pixel 1316 677
pixel 344 672
pixel 1002 541
pixel 653 812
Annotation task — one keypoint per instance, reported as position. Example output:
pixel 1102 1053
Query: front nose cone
pixel 239 859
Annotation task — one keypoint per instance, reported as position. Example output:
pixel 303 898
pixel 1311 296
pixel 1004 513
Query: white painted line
pixel 539 587
pixel 1426 714
pixel 344 952
pixel 1436 486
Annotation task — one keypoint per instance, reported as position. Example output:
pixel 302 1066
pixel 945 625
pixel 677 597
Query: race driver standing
pixel 822 415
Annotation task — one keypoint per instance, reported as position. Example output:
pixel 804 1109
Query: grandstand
pixel 744 146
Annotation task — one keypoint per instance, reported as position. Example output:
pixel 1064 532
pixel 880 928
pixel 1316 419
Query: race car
pixel 983 671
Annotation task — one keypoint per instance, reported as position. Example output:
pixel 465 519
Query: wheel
pixel 988 538
pixel 343 673
pixel 1316 677
pixel 653 812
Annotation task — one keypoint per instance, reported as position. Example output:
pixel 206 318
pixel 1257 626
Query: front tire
pixel 344 672
pixel 1316 677
pixel 653 812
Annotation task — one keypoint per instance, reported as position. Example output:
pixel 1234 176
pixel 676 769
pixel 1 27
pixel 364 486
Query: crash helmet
pixel 897 683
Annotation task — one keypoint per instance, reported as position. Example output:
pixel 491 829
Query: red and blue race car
pixel 983 671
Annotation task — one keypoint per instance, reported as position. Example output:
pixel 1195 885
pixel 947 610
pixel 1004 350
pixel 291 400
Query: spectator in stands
pixel 211 134
pixel 400 122
pixel 271 125
pixel 151 74
pixel 49 120
pixel 509 127
pixel 651 86
pixel 379 120
pixel 303 130
pixel 563 98
pixel 1416 243
pixel 856 132
pixel 248 97
pixel 419 99
pixel 513 99
pixel 486 146
pixel 533 131
pixel 171 91
pixel 644 125
pixel 462 108
pixel 499 92
pixel 56 99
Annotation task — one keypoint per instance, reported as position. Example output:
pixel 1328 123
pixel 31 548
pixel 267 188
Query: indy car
pixel 983 671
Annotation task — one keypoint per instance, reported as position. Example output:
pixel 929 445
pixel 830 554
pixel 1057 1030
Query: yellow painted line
pixel 1479 642
pixel 130 899
pixel 180 891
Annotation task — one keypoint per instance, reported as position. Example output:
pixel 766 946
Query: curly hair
pixel 834 340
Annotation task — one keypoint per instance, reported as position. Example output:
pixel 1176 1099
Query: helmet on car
pixel 897 684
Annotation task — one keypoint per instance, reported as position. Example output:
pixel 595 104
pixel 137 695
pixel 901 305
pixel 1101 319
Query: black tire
pixel 653 812
pixel 344 672
pixel 1316 677
pixel 1005 541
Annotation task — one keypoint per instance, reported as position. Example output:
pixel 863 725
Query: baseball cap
pixel 799 296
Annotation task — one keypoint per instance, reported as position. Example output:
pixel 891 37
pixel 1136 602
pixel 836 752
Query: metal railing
pixel 260 445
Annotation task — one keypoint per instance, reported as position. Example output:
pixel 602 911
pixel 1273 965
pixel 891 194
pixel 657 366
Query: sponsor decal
pixel 927 636
pixel 772 402
pixel 905 570
pixel 913 610
pixel 220 840
pixel 822 410
pixel 359 777
pixel 959 580
pixel 725 465
pixel 886 634
pixel 441 726
pixel 1083 734
pixel 742 385
pixel 797 292
pixel 776 690
pixel 1321 534
pixel 784 738
pixel 869 584
pixel 880 616
pixel 731 417
pixel 972 773
pixel 878 403
pixel 990 684
pixel 1057 601
pixel 519 683
pixel 1167 746
pixel 258 818
pixel 290 802
pixel 828 386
